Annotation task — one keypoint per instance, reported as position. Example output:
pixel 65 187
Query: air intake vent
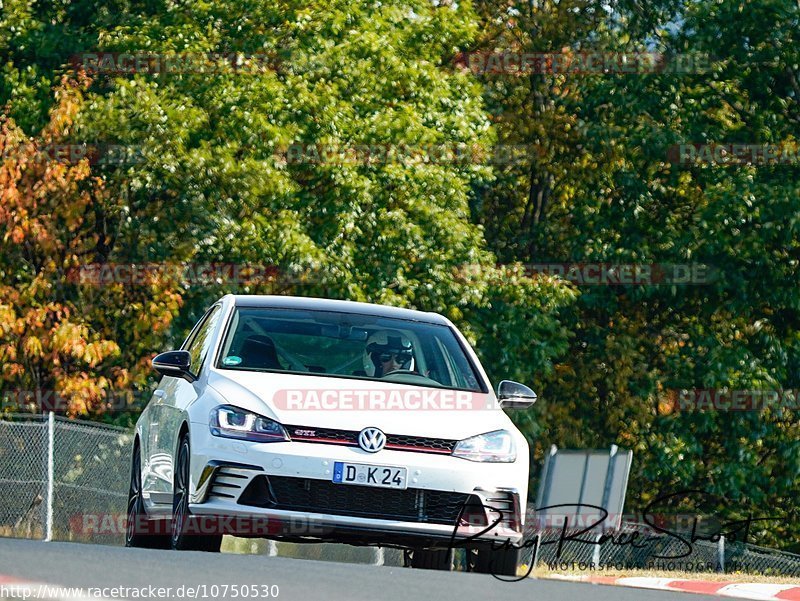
pixel 228 482
pixel 323 496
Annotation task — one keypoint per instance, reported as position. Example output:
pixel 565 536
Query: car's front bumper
pixel 224 474
pixel 300 526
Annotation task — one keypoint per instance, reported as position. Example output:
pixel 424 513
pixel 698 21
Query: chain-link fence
pixel 23 478
pixel 63 479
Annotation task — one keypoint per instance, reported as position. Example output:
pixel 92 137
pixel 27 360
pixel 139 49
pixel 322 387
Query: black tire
pixel 138 526
pixel 431 559
pixel 185 536
pixel 501 561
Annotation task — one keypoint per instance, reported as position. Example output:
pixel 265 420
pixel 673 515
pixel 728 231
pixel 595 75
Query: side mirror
pixel 175 364
pixel 513 395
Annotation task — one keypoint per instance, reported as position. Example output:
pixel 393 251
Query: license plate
pixel 383 476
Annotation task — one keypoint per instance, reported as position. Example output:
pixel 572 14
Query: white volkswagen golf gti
pixel 304 419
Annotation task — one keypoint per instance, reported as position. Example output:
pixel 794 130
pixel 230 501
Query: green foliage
pixel 601 188
pixel 222 147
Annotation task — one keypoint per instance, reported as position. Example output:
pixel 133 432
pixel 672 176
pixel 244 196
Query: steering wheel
pixel 402 372
pixel 416 377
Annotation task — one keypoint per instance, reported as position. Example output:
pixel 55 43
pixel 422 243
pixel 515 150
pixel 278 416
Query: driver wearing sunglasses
pixel 387 352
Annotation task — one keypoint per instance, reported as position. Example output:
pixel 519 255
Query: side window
pixel 200 343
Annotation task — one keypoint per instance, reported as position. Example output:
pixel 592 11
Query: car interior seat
pixel 259 352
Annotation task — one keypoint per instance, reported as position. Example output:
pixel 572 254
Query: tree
pixel 58 340
pixel 601 187
pixel 335 144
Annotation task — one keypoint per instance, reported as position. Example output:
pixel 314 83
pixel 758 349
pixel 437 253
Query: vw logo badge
pixel 371 440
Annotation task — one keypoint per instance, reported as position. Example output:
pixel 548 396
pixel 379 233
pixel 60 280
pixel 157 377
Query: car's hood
pixel 445 417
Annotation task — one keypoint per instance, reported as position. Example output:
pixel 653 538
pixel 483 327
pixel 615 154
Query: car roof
pixel 336 306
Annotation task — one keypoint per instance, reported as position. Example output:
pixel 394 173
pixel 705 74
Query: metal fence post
pixel 596 552
pixel 721 554
pixel 50 460
pixel 536 547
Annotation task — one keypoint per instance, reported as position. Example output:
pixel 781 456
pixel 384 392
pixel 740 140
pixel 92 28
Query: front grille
pixel 396 442
pixel 417 443
pixel 323 496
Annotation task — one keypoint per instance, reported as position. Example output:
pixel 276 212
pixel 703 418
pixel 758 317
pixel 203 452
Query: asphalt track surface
pixel 73 564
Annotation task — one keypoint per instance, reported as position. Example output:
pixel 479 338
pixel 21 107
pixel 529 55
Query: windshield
pixel 347 345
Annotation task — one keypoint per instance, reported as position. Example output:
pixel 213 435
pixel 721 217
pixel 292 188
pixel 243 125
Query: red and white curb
pixel 741 590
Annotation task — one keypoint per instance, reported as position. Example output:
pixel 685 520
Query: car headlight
pixel 492 447
pixel 232 422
